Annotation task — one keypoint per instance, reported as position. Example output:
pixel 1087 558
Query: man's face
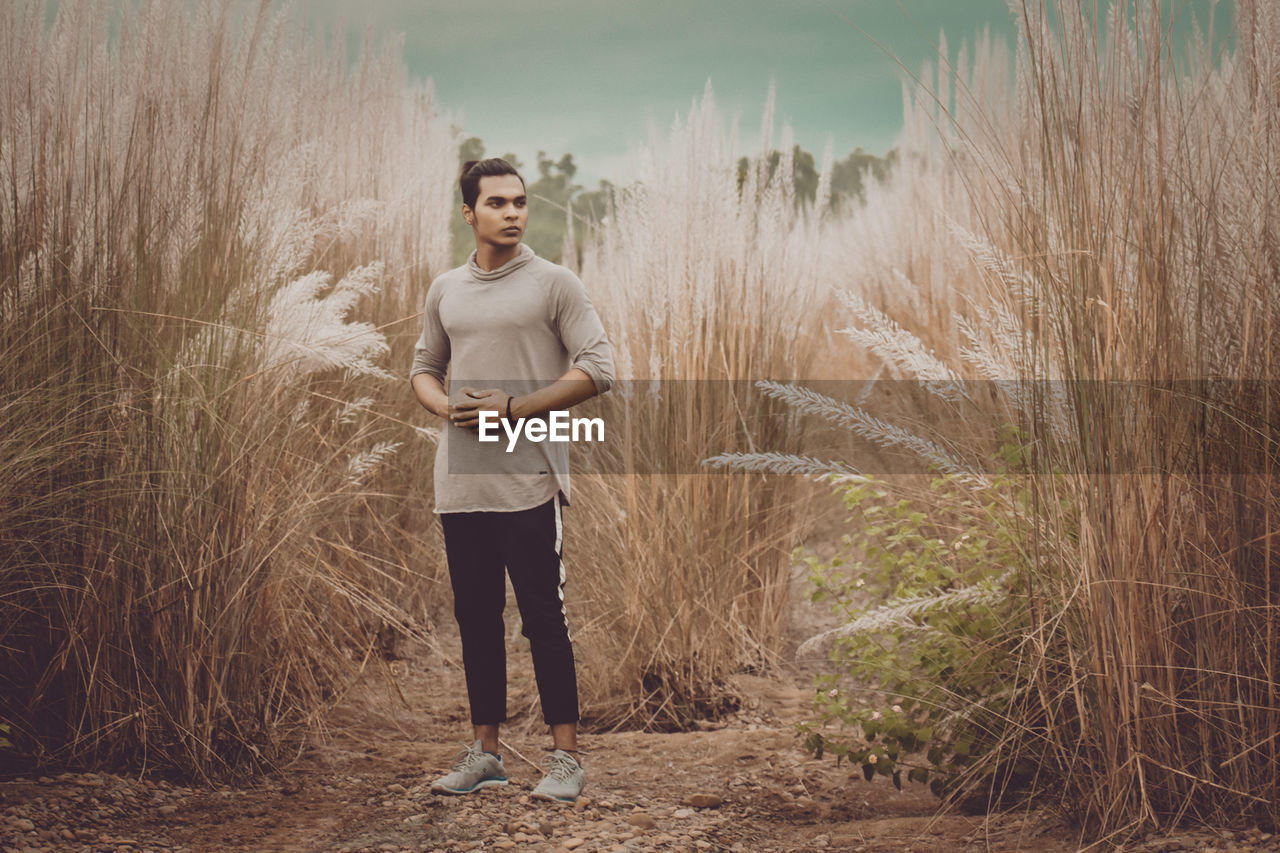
pixel 501 211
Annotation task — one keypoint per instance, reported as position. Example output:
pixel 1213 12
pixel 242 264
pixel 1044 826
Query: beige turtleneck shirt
pixel 519 328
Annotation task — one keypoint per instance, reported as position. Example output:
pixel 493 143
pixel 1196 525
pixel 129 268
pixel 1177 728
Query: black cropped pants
pixel 527 544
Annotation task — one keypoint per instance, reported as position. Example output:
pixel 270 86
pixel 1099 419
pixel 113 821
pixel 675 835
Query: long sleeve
pixel 582 332
pixel 431 353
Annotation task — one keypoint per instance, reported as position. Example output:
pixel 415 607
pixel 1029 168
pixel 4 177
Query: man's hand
pixel 466 414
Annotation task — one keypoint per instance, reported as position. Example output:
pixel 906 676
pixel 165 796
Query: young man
pixel 520 338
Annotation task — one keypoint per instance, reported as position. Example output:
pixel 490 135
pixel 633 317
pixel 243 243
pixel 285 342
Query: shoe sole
pixel 484 783
pixel 551 798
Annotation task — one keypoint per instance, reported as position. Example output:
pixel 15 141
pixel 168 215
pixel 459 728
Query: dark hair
pixel 474 170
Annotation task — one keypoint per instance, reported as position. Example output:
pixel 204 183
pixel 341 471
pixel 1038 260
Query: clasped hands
pixel 466 414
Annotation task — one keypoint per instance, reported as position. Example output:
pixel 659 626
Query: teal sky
pixel 591 77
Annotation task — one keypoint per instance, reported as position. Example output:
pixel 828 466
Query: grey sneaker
pixel 564 780
pixel 472 770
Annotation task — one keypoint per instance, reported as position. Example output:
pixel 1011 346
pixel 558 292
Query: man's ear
pixel 467 215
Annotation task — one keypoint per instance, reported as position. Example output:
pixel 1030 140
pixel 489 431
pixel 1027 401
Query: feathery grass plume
pixel 850 417
pixel 195 529
pixel 900 349
pixel 904 613
pixel 783 463
pixel 368 460
pixel 307 333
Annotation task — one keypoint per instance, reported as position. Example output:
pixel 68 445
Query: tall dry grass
pixel 683 573
pixel 200 441
pixel 1147 221
pixel 1115 210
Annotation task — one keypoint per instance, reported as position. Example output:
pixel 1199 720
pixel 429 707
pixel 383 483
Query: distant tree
pixel 848 176
pixel 549 198
pixel 804 173
pixel 553 193
pixel 593 205
pixel 471 149
pixel 590 208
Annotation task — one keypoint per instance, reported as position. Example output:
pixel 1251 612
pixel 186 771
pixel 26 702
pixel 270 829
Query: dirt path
pixel 366 789
pixel 742 785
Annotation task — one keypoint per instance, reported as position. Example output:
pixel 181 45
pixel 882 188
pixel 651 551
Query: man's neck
pixel 490 258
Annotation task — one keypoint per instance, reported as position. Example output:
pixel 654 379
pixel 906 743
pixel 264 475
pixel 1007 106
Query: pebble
pixel 704 801
pixel 642 820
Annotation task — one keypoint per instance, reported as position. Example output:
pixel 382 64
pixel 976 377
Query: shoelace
pixel 466 758
pixel 562 767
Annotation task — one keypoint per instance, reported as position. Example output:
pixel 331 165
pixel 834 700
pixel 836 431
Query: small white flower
pixel 875 715
pixel 872 758
pixel 832 693
pixel 897 709
pixel 859 583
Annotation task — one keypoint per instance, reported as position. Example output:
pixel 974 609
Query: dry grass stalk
pixel 703 290
pixel 198 438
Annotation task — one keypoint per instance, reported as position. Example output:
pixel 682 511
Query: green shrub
pixel 925 669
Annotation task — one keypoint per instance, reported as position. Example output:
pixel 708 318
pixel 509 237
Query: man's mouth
pixel 514 229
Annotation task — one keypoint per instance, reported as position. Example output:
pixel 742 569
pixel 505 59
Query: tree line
pixel 553 192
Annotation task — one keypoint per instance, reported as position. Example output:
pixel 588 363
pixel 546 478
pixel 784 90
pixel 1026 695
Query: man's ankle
pixel 577 756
